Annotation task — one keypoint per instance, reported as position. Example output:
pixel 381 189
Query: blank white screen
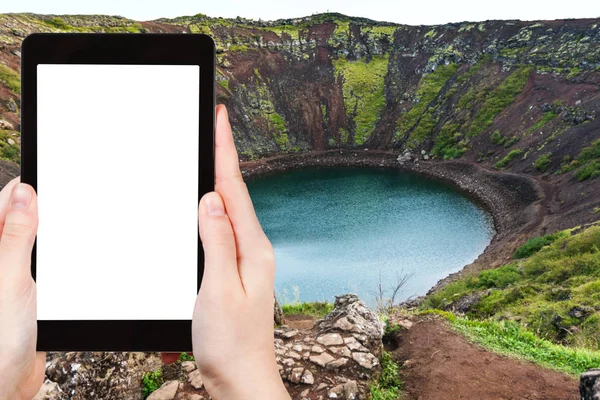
pixel 117 191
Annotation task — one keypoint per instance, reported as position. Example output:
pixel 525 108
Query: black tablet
pixel 118 142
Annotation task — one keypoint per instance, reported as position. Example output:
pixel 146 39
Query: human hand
pixel 232 328
pixel 21 368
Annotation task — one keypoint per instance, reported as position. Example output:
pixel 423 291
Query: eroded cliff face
pixel 509 95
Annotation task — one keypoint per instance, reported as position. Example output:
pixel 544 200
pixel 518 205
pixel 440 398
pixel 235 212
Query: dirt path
pixel 441 364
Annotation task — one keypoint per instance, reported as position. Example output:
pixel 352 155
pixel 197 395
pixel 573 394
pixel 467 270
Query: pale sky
pixel 413 12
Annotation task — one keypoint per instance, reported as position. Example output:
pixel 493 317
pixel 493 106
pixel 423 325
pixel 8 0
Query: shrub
pixel 151 381
pixel 543 162
pixel 499 277
pixel 509 157
pixel 534 245
pixel 10 78
pixel 388 386
pixel 497 138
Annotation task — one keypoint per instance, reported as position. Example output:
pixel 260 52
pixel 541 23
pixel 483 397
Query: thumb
pixel 218 241
pixel 18 234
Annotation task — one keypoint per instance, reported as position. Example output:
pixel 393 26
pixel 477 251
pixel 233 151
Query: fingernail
pixel 20 197
pixel 214 205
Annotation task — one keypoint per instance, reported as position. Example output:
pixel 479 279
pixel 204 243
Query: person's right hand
pixel 232 327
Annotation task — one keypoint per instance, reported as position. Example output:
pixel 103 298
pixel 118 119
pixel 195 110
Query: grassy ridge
pixel 511 339
pixel 552 289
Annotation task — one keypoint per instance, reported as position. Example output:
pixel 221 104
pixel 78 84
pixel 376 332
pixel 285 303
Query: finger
pixel 252 244
pixel 18 235
pixel 4 197
pixel 220 257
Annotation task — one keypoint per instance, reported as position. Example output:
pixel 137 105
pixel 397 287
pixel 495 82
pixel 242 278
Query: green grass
pixel 185 357
pixel 543 162
pixel 534 245
pixel 10 152
pixel 498 99
pixel 151 381
pixel 497 138
pixel 318 309
pixel 586 164
pixel 449 143
pixel 58 23
pixel 363 90
pixel 389 385
pixel 551 288
pixel 511 339
pixel 421 118
pixel 10 78
pixel 509 157
pixel 547 117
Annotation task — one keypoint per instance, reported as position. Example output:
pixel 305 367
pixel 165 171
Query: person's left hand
pixel 21 368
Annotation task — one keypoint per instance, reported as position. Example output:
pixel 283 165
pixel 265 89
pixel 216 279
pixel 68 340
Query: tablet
pixel 118 142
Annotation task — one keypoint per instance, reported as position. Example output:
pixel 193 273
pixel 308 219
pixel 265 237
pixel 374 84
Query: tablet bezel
pixel 129 49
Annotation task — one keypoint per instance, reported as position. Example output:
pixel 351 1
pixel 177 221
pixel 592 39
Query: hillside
pixel 507 95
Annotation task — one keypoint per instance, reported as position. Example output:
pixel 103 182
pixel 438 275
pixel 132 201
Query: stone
pixel 322 359
pixel 341 350
pixel 294 355
pixel 321 386
pixel 589 385
pixel 296 374
pixel 288 362
pixel 368 329
pixel 355 346
pixel 340 362
pixel 317 349
pixel 307 377
pixel 188 366
pixel 297 347
pixel 365 360
pixel 336 392
pixel 343 324
pixel 49 391
pixel 277 313
pixel 166 392
pixel 290 334
pixel 350 390
pixel 195 379
pixel 330 339
pixel 306 355
pixel 304 393
pixel 405 323
pixel 4 124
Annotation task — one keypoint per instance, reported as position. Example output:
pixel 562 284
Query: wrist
pixel 248 381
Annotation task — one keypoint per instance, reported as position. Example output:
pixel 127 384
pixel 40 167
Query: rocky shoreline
pixel 515 201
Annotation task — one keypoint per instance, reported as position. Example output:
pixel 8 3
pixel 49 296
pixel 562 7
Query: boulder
pixel 351 315
pixel 166 392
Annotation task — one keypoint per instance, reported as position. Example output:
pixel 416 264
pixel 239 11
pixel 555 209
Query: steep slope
pixel 520 97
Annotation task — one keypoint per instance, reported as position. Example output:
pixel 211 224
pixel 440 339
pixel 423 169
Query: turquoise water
pixel 336 231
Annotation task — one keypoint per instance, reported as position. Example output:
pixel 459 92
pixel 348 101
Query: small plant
pixel 509 157
pixel 59 23
pixel 151 381
pixel 497 138
pixel 534 245
pixel 185 357
pixel 543 162
pixel 389 385
pixel 318 309
pixel 384 303
pixel 10 78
